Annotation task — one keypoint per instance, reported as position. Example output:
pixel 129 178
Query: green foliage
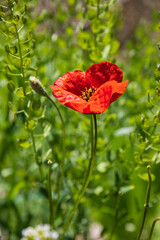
pixel 46 42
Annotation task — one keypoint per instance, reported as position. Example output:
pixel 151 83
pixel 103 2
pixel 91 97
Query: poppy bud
pixel 37 86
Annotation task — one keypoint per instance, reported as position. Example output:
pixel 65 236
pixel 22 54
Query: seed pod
pixel 13 49
pixel 24 19
pixel 11 86
pixel 16 19
pixel 37 86
pixel 6 47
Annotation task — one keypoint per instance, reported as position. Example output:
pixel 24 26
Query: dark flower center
pixel 88 93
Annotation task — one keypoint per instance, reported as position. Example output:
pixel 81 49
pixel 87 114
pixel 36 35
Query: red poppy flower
pixel 90 92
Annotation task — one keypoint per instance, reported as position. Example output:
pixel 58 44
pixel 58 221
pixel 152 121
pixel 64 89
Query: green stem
pixel 35 155
pixel 87 179
pixel 146 205
pixel 63 159
pixel 116 215
pixel 20 50
pixel 95 134
pixel 50 194
pixel 98 8
pixel 19 47
pixel 91 136
pixel 21 58
pixel 153 225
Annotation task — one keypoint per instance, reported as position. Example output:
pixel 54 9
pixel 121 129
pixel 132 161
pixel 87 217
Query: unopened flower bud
pixel 37 86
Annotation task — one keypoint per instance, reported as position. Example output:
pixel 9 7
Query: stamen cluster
pixel 88 93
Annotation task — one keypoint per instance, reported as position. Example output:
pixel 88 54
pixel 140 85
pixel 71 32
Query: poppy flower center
pixel 88 93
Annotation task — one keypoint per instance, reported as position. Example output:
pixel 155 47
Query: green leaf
pixel 47 129
pixel 7 172
pixel 24 143
pixel 36 105
pixel 98 190
pixel 24 20
pixel 69 31
pixel 157 118
pixel 11 106
pixel 17 63
pixel 30 35
pixel 48 153
pixel 157 91
pixel 20 92
pixel 84 40
pixel 12 30
pixel 92 13
pixel 7 47
pixel 17 189
pixel 126 189
pixel 102 167
pixel 95 55
pixel 16 19
pixel 33 44
pixel 26 62
pixel 25 8
pixel 114 47
pixel 144 176
pixel 11 86
pixel 13 49
pixel 157 75
pixel 20 103
pixel 30 125
pixel 71 2
pixel 96 26
pixel 7 69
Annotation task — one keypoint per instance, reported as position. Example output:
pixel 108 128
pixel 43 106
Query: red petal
pixel 118 89
pixel 73 82
pixel 106 94
pixel 96 104
pixel 100 100
pixel 69 99
pixel 102 72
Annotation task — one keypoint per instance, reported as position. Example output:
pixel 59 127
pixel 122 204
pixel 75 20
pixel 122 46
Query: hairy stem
pixel 63 159
pixel 146 205
pixel 87 179
pixel 152 228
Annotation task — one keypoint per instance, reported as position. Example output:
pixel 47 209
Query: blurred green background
pixel 60 36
